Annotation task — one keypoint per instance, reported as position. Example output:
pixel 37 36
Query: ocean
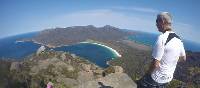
pixel 150 38
pixel 9 48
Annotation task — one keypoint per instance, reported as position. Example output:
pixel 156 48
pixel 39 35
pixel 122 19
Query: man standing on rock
pixel 166 53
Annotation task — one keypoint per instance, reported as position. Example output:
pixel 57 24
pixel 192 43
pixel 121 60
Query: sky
pixel 22 16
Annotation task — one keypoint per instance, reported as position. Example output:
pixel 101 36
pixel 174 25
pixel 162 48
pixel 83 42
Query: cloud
pixel 138 9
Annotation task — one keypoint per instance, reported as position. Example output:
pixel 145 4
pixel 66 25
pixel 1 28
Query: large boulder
pixel 41 49
pixel 114 80
pixel 84 76
pixel 112 69
pixel 15 66
pixel 86 67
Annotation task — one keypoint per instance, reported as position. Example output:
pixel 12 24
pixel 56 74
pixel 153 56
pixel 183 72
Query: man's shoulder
pixel 161 36
pixel 164 35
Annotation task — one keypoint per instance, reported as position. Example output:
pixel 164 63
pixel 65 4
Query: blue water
pixel 94 53
pixel 150 38
pixel 9 48
pixel 144 38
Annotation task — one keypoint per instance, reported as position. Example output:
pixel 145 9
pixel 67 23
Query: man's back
pixel 168 55
pixel 166 52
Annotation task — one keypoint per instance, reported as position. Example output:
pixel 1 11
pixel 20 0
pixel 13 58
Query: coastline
pixel 48 45
pixel 111 49
pixel 51 46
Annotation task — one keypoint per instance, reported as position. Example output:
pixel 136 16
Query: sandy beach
pixel 111 49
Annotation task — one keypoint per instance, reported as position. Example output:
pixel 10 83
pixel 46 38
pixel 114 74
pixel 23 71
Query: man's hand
pixel 182 58
pixel 154 64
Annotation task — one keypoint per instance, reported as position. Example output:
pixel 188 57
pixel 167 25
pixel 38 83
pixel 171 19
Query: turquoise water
pixel 150 38
pixel 143 38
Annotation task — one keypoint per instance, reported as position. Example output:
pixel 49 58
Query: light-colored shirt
pixel 168 56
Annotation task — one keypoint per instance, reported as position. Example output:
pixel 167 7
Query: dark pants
pixel 148 82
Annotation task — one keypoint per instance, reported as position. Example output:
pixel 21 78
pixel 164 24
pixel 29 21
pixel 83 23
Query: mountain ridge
pixel 75 34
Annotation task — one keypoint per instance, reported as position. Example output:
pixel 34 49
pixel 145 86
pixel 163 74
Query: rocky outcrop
pixel 41 49
pixel 114 80
pixel 112 69
pixel 51 67
pixel 15 66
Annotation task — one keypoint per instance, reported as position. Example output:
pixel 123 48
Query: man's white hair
pixel 166 17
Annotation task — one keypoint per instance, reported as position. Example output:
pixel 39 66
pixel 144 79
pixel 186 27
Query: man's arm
pixel 154 64
pixel 182 56
pixel 158 51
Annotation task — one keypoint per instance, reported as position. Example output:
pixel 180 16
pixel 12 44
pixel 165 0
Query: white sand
pixel 113 50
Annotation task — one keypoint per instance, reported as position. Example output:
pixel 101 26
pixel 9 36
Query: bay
pixel 11 48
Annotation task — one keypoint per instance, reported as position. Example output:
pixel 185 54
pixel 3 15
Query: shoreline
pixel 111 49
pixel 50 46
pixel 33 41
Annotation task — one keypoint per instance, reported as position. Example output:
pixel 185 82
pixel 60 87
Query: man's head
pixel 163 22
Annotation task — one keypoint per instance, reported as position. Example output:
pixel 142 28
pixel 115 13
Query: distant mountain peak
pixel 109 27
pixel 74 34
pixel 91 26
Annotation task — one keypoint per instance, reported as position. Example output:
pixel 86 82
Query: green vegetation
pixel 194 70
pixel 70 74
pixel 174 84
pixel 135 62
